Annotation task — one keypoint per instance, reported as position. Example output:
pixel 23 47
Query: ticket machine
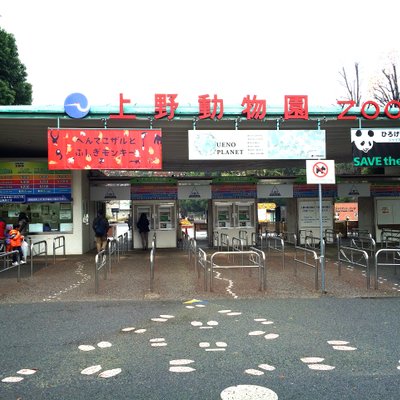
pixel 163 222
pixel 231 217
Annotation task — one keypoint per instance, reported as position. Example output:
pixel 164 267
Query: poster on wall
pixel 104 149
pixel 256 144
pixel 376 147
pixel 309 216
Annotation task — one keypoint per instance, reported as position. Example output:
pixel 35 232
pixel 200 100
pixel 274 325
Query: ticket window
pixel 224 214
pixel 146 209
pixel 245 215
pixel 165 216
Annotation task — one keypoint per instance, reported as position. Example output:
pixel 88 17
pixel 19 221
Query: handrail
pixel 7 264
pixel 244 236
pixel 393 264
pixel 58 243
pixel 364 243
pixel 238 246
pixel 389 232
pixel 100 263
pixel 204 263
pixel 276 243
pixel 305 261
pixel 224 241
pixel 152 258
pixel 216 240
pixel 41 248
pixel 262 271
pixel 347 254
pixel 254 264
pixel 330 236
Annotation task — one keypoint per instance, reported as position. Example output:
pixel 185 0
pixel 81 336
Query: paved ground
pixel 72 278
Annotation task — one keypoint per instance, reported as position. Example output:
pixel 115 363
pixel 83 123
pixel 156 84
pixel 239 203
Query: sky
pixel 231 48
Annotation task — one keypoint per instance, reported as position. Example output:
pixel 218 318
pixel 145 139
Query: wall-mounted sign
pixel 376 147
pixel 256 144
pixel 274 191
pixel 110 192
pixel 29 182
pixel 354 189
pixel 104 149
pixel 194 192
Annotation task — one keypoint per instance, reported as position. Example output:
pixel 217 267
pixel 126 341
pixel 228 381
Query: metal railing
pixel 277 244
pixel 152 260
pixel 216 241
pixel 224 242
pixel 100 264
pixel 256 239
pixel 261 271
pixel 305 260
pixel 7 263
pixel 289 238
pixel 330 236
pixel 395 263
pixel 354 256
pixel 389 232
pixel 58 243
pixel 238 246
pixel 192 251
pixel 356 232
pixel 255 262
pixel 245 238
pixel 366 243
pixel 38 249
pixel 204 264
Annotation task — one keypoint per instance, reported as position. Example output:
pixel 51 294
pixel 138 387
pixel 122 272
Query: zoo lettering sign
pixel 212 107
pixel 376 147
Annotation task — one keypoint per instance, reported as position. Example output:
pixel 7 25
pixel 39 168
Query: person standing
pixel 100 227
pixel 2 235
pixel 23 221
pixel 143 226
pixel 16 241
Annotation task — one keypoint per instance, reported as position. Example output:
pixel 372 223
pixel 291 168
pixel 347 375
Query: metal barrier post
pixel 58 243
pixel 100 263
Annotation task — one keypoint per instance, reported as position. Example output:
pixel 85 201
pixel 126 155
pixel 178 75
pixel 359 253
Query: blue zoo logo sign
pixel 76 105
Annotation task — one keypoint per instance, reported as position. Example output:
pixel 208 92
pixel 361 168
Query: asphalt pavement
pixel 62 340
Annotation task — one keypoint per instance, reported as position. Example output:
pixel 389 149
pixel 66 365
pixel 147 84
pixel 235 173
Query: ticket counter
pixel 163 222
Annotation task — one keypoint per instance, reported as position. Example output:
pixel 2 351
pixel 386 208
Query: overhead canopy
pixel 23 132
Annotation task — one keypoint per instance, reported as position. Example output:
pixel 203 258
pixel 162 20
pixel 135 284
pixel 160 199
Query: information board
pixel 24 182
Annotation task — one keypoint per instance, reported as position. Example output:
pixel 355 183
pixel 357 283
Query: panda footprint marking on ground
pixel 78 271
pixel 19 378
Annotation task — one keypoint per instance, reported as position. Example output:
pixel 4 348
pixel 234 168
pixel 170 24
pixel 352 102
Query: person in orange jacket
pixel 16 241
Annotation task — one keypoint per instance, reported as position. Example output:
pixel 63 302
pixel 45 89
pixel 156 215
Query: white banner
pixel 256 144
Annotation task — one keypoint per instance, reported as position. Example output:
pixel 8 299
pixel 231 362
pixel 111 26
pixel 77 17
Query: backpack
pixel 100 227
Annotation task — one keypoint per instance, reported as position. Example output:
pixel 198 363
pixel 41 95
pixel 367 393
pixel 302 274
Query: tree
pixel 14 89
pixel 353 88
pixel 388 89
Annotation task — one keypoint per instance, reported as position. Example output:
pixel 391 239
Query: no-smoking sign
pixel 320 171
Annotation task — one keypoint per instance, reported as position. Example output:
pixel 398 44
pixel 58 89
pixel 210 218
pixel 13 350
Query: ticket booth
pixel 231 217
pixel 163 222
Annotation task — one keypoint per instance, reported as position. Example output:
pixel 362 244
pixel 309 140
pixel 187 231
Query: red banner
pixel 104 149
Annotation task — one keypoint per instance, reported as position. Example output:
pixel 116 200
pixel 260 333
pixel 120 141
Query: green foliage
pixel 14 89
